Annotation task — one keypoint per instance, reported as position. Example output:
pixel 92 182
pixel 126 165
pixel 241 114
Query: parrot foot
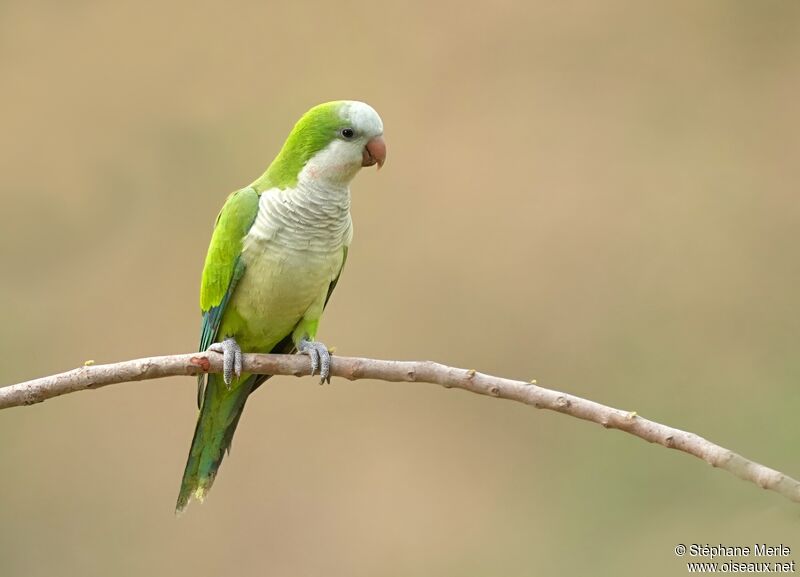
pixel 320 358
pixel 231 359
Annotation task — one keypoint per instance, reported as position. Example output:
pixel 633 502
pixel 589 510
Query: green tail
pixel 213 434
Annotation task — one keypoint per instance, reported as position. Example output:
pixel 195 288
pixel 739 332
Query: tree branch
pixel 95 376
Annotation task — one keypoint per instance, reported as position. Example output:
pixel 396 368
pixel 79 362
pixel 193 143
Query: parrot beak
pixel 374 152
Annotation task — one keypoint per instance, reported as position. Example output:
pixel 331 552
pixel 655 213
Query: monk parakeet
pixel 276 253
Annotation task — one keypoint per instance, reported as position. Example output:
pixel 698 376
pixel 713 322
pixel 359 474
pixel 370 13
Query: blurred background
pixel 602 196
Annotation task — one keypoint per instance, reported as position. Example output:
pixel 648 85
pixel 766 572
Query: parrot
pixel 277 250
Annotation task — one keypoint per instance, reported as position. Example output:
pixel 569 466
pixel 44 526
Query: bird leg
pixel 231 359
pixel 320 358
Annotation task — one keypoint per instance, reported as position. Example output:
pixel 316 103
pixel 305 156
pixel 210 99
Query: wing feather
pixel 224 267
pixel 336 280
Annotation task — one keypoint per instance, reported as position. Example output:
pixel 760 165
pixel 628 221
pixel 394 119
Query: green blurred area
pixel 602 196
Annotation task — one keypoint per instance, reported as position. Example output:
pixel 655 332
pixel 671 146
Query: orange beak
pixel 374 152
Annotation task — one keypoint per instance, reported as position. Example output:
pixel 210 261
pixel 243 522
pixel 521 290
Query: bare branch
pixel 92 377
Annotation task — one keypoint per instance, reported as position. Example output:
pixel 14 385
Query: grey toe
pixel 320 358
pixel 231 359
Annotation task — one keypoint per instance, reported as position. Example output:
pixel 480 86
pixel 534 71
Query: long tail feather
pixel 219 415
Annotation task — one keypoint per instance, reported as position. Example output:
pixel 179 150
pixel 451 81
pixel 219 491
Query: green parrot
pixel 276 253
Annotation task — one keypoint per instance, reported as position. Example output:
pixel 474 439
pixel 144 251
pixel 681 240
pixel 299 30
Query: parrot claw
pixel 231 359
pixel 320 358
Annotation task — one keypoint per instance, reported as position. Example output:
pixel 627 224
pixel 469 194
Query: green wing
pixel 336 280
pixel 224 266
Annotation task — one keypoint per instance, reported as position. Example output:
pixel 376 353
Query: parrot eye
pixel 347 133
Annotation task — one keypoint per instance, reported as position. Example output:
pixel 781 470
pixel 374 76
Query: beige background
pixel 601 195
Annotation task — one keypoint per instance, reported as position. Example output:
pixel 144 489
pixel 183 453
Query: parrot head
pixel 329 144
